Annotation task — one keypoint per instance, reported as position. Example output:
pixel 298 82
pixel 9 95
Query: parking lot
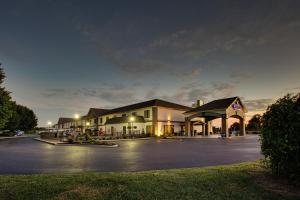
pixel 22 156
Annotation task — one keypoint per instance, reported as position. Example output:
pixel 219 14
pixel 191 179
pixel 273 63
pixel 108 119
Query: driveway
pixel 23 156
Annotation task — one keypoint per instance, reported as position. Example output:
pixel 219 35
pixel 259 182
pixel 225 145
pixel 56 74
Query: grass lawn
pixel 237 181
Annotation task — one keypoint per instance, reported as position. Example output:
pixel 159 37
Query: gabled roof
pixel 154 102
pixel 125 119
pixel 215 105
pixel 63 120
pixel 96 112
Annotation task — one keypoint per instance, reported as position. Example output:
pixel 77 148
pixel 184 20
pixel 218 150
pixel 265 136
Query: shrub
pixel 280 137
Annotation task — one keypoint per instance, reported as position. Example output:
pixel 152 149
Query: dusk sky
pixel 63 57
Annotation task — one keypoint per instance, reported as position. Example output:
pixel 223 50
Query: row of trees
pixel 12 115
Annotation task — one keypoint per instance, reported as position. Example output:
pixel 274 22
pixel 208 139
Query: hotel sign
pixel 236 106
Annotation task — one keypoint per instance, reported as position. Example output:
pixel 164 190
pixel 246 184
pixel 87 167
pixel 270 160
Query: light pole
pixel 87 125
pixel 131 119
pixel 76 117
pixel 49 125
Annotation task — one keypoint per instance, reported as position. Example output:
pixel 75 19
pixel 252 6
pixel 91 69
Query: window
pixel 147 113
pixel 124 129
pixel 107 118
pixel 134 113
pixel 101 120
pixel 96 121
pixel 124 115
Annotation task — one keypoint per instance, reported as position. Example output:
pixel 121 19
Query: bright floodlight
pixel 131 119
pixel 49 123
pixel 76 116
pixel 88 123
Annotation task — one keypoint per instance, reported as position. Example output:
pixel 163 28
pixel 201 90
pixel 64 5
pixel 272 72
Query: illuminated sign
pixel 236 106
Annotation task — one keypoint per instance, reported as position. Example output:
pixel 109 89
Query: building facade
pixel 159 118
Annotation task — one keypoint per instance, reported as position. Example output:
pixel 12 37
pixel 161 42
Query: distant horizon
pixel 64 57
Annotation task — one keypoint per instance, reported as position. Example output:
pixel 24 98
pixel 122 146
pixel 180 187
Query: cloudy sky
pixel 63 57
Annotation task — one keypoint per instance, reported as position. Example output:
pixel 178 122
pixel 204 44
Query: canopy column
pixel 208 127
pixel 225 126
pixel 242 127
pixel 188 127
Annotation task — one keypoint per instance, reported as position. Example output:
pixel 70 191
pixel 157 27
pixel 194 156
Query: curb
pixel 66 144
pixel 46 141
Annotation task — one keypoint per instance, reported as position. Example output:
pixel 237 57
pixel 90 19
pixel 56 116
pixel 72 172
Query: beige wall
pixel 165 116
pixel 168 114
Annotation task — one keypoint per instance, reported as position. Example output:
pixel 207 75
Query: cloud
pixel 137 45
pixel 239 75
pixel 190 92
pixel 291 90
pixel 258 104
pixel 116 94
pixel 214 91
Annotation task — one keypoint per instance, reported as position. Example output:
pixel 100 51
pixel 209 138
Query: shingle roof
pixel 96 112
pixel 125 119
pixel 63 120
pixel 154 102
pixel 216 104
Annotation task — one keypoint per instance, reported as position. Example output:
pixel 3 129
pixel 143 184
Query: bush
pixel 280 137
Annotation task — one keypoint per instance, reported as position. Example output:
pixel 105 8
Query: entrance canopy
pixel 220 108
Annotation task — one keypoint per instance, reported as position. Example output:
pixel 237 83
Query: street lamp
pixel 76 117
pixel 49 125
pixel 131 119
pixel 87 126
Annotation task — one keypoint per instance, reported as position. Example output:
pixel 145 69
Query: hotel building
pixel 158 117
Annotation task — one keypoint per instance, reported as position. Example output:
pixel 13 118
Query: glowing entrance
pixel 221 108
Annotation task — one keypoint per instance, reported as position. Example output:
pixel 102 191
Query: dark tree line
pixel 12 115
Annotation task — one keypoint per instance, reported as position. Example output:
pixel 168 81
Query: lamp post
pixel 49 125
pixel 87 125
pixel 131 119
pixel 76 117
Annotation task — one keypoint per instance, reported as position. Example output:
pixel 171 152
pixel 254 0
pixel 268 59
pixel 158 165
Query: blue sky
pixel 63 57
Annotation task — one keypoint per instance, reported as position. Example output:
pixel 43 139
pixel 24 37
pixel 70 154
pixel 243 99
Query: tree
pixel 15 118
pixel 280 138
pixel 22 118
pixel 5 102
pixel 255 123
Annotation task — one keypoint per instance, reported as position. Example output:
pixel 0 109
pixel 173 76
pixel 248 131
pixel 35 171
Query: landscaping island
pixel 238 181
